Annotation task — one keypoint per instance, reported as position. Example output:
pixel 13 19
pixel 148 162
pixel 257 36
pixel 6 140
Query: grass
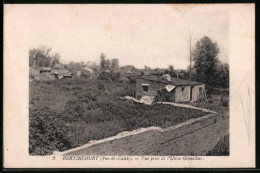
pixel 214 103
pixel 70 112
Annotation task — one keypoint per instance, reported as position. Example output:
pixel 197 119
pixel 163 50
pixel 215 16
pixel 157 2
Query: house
pixel 88 69
pixel 61 73
pixel 45 70
pixel 166 88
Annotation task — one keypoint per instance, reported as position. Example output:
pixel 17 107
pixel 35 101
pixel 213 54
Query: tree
pixel 171 68
pixel 222 75
pixel 55 59
pixel 206 60
pixel 107 64
pixel 75 66
pixel 102 60
pixel 189 37
pixel 40 57
pixel 104 63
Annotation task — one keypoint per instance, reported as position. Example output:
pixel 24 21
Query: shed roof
pixel 62 72
pixel 174 81
pixel 46 68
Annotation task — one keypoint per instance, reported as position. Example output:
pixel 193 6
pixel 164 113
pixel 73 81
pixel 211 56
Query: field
pixel 68 113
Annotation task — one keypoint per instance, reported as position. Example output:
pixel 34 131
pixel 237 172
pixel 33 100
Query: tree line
pixel 42 57
pixel 206 68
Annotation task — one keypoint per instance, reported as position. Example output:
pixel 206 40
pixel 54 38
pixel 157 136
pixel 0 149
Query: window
pixel 145 87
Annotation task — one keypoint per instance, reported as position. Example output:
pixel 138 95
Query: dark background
pixel 257 48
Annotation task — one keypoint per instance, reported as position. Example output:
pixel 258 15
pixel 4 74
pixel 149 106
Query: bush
pixel 210 101
pixel 132 79
pixel 225 103
pixel 31 76
pixel 110 76
pixel 221 149
pixel 123 79
pixel 48 132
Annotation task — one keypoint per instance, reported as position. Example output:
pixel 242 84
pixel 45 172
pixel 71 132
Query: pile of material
pixel 148 100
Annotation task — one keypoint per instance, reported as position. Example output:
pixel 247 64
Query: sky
pixel 139 35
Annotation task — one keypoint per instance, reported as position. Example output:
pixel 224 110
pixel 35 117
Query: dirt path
pixel 198 142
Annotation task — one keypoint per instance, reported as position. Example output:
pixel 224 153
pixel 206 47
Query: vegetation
pixel 70 112
pixel 208 68
pixel 221 149
pixel 41 57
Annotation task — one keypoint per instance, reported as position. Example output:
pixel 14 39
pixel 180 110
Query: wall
pixel 195 92
pixel 152 89
pixel 182 96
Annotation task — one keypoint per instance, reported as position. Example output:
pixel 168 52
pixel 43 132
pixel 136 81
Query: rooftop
pixel 174 81
pixel 62 72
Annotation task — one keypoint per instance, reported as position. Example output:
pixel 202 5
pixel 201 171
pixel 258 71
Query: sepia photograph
pixel 128 82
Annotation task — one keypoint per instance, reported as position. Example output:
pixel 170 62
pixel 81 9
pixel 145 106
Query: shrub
pixel 101 86
pixel 47 133
pixel 132 79
pixel 31 76
pixel 123 79
pixel 225 103
pixel 221 149
pixel 210 101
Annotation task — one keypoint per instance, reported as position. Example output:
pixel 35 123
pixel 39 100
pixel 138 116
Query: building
pixel 45 70
pixel 61 73
pixel 169 89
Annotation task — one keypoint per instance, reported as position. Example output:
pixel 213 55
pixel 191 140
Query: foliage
pixel 208 69
pixel 172 72
pixel 221 149
pixel 132 79
pixel 222 75
pixel 76 66
pixel 110 76
pixel 48 132
pixel 128 68
pixel 41 57
pixel 164 96
pixel 70 112
pixel 104 63
pixel 206 60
